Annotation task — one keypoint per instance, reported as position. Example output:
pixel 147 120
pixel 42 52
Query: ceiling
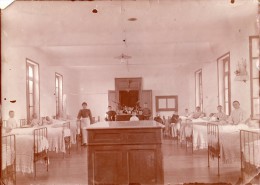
pixel 166 31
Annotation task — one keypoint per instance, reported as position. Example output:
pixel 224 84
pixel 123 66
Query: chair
pixel 176 132
pixel 23 122
pixel 67 135
pixel 78 135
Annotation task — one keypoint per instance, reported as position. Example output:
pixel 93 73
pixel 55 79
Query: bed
pixel 67 135
pixel 8 160
pixel 41 146
pixel 193 132
pixel 31 149
pixel 224 142
pixel 249 154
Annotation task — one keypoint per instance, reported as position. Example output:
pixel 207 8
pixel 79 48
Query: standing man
pixel 146 112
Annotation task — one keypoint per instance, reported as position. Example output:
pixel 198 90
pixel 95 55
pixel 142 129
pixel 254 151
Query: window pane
pixel 255 70
pixel 226 109
pixel 226 95
pixel 31 111
pixel 226 81
pixel 255 88
pixel 226 66
pixel 255 47
pixel 256 106
pixel 30 86
pixel 30 99
pixel 57 92
pixel 57 81
pixel 30 71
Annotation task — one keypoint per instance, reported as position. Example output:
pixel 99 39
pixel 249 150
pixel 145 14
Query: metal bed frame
pixel 247 147
pixel 67 139
pixel 213 148
pixel 9 173
pixel 38 135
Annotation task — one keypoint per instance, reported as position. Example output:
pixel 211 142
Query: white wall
pixel 14 82
pixel 238 46
pixel 161 79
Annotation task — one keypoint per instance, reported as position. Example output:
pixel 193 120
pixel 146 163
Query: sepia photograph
pixel 130 92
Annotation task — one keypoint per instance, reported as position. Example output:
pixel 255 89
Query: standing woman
pixel 86 119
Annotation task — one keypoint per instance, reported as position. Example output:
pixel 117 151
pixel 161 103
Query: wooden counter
pixel 124 152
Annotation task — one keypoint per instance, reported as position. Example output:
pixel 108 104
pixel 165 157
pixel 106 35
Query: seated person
pixel 35 121
pixel 125 110
pixel 186 113
pixel 175 124
pixel 134 117
pixel 198 113
pixel 110 114
pixel 220 116
pixel 146 112
pixel 158 118
pixel 47 121
pixel 237 116
pixel 11 122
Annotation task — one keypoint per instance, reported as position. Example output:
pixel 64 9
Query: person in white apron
pixel 86 119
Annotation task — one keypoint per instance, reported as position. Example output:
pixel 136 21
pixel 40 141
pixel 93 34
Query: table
pixel 124 152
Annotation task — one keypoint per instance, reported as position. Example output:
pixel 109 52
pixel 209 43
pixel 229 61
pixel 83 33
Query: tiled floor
pixel 179 167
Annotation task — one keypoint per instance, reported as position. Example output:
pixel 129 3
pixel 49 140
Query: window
pixel 166 103
pixel 59 94
pixel 254 75
pixel 32 88
pixel 198 89
pixel 224 93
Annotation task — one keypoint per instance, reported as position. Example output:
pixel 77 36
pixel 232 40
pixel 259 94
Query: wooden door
pixel 112 99
pixel 147 98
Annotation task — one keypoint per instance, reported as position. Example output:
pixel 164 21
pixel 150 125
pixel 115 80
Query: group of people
pixel 12 123
pixel 237 115
pixel 146 114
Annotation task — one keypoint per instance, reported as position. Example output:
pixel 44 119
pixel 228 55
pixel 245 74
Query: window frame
pixel 59 95
pixel 251 58
pixel 36 88
pixel 199 89
pixel 221 64
pixel 166 105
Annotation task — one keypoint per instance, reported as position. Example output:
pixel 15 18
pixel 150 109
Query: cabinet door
pixel 110 167
pixel 143 166
pixel 147 98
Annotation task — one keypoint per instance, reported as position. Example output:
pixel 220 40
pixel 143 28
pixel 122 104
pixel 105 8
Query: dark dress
pixel 111 116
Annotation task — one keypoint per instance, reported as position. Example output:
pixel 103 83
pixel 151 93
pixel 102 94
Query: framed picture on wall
pixel 166 103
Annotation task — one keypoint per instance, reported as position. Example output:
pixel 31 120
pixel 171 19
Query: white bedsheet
pixel 8 156
pixel 25 152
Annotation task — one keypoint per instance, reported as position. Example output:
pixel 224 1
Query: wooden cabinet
pixel 124 152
